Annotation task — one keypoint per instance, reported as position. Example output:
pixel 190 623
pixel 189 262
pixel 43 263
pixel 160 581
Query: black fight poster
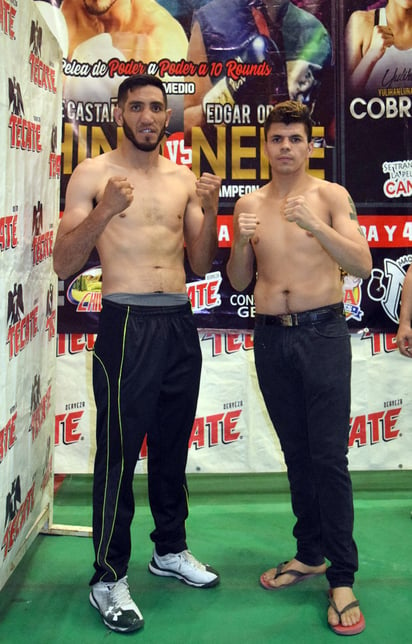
pixel 225 63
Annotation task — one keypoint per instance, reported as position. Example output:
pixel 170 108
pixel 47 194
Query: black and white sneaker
pixel 184 566
pixel 117 608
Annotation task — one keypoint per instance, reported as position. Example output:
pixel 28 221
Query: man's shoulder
pixel 167 165
pixel 97 161
pixel 330 192
pixel 181 175
pixel 155 17
pixel 252 198
pixel 90 170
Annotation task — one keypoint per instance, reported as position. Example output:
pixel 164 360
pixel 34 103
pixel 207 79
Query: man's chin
pixel 145 147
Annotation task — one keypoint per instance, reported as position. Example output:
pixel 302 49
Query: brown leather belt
pixel 300 319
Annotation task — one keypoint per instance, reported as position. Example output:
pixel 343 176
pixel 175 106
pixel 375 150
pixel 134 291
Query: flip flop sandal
pixel 298 577
pixel 340 629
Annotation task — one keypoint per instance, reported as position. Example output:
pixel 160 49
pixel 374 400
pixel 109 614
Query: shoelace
pixel 120 594
pixel 190 559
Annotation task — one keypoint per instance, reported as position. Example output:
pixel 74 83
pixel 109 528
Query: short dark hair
pixel 139 80
pixel 289 112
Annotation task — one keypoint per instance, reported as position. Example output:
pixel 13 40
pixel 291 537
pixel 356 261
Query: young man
pixel 303 232
pixel 138 209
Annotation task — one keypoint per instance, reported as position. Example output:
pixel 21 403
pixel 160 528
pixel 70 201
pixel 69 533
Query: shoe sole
pixel 161 572
pixel 117 629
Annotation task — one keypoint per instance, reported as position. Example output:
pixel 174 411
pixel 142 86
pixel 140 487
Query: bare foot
pixel 342 596
pixel 279 577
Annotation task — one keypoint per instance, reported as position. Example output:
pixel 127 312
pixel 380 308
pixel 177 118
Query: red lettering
pixel 391 416
pixel 129 68
pixel 21 333
pixel 374 420
pixel 24 134
pixel 181 68
pixel 234 342
pixel 220 427
pixel 358 432
pixel 8 436
pixel 74 343
pixel 15 526
pixel 7 15
pixel 66 426
pixel 213 422
pixel 197 437
pixel 230 422
pixel 381 426
pixel 8 231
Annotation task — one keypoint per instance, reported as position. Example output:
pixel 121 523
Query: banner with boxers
pixel 220 84
pixel 225 63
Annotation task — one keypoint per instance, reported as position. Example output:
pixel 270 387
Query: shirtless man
pixel 379 47
pixel 303 232
pixel 138 208
pixel 140 29
pixel 119 30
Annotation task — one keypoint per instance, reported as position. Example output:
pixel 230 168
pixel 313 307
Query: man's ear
pixel 118 115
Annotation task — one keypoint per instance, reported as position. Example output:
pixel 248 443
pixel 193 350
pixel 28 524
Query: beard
pixel 144 147
pixel 98 7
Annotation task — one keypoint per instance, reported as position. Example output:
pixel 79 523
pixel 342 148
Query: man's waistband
pixel 300 319
pixel 146 307
pixel 148 299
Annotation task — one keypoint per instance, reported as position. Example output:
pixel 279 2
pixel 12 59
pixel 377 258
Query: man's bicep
pixel 79 200
pixel 347 224
pixel 193 221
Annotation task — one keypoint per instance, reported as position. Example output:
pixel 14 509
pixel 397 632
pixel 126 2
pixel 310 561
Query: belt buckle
pixel 289 319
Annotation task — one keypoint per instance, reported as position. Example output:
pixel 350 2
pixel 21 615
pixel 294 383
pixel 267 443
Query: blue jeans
pixel 304 373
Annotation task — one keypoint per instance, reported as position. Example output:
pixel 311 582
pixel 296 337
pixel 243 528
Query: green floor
pixel 241 524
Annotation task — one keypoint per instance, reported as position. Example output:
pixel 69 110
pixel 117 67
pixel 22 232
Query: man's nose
pixel 146 114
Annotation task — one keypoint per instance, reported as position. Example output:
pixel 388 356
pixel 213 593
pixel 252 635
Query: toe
pixel 269 575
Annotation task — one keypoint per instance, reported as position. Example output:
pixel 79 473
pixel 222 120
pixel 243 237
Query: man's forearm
pixel 72 249
pixel 239 267
pixel 203 253
pixel 405 314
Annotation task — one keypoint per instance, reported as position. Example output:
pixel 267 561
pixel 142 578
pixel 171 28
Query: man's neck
pixel 119 15
pixel 132 157
pixel 287 185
